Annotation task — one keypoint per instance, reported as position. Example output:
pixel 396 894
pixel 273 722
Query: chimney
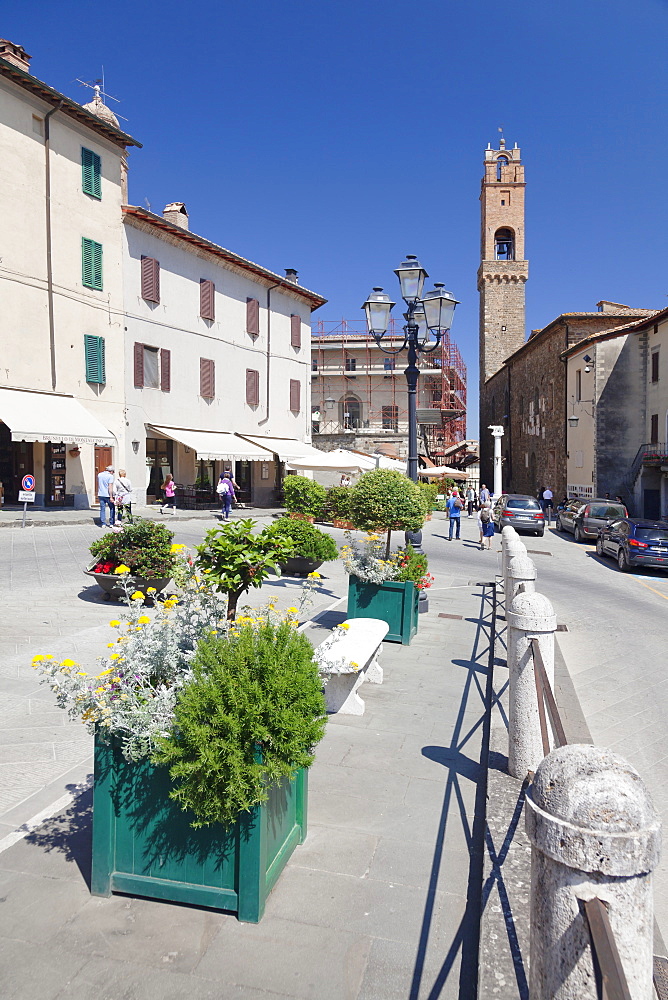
pixel 15 54
pixel 177 214
pixel 605 306
pixel 291 275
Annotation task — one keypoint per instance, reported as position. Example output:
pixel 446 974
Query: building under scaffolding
pixel 358 391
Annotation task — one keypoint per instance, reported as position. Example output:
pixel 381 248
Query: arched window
pixel 504 244
pixel 501 162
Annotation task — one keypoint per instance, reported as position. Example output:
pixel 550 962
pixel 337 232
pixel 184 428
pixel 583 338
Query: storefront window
pixel 160 461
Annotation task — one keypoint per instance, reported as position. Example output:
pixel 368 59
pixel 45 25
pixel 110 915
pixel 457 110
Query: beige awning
pixel 46 416
pixel 215 445
pixel 285 448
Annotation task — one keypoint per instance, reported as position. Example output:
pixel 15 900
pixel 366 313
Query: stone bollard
pixel 528 616
pixel 521 576
pixel 514 547
pixel 593 832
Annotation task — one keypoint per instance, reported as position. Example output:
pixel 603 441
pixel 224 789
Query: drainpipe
pixel 268 366
pixel 49 267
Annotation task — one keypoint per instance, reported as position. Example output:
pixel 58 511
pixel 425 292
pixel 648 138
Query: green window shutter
pixel 91 173
pixel 91 264
pixel 94 351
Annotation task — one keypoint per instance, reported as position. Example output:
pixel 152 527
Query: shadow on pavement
pixel 70 832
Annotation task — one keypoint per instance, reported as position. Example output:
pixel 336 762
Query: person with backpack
pixel 454 505
pixel 486 525
pixel 225 491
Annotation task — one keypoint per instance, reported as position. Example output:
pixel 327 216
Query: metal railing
pixel 611 978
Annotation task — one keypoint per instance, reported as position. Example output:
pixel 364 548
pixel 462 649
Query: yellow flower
pixel 120 570
pixel 137 596
pixel 82 673
pixel 114 623
pixel 105 672
pixel 114 656
pixel 344 625
pixel 176 548
pixel 314 576
pixel 38 658
pixel 292 611
pixel 144 620
pixel 110 645
pixel 68 663
pixel 354 665
pixel 151 590
pixel 115 680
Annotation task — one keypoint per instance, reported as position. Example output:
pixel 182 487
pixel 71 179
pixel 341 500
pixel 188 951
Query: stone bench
pixel 359 644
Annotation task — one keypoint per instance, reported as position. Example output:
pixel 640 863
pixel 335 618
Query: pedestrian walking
pixel 486 525
pixel 484 496
pixel 547 502
pixel 123 496
pixel 225 491
pixel 454 505
pixel 169 492
pixel 470 500
pixel 105 495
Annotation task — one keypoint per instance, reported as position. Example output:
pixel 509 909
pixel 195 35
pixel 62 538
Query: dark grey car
pixel 586 518
pixel 524 513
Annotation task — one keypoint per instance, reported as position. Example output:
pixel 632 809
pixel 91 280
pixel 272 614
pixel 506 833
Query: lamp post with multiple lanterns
pixel 428 318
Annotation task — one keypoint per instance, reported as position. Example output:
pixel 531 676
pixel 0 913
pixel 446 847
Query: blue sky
pixel 335 136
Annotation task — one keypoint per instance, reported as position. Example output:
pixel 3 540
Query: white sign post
pixel 26 495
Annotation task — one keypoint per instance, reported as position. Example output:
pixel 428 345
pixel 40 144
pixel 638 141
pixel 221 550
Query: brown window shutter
pixel 139 366
pixel 252 387
pixel 150 279
pixel 165 370
pixel 295 331
pixel 295 395
pixel 207 299
pixel 252 317
pixel 207 378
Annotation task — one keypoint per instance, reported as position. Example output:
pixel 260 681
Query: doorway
pixel 651 503
pixel 350 413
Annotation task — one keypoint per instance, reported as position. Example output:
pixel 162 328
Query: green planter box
pixel 143 843
pixel 394 603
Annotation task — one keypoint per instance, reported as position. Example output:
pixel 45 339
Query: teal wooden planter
pixel 394 603
pixel 143 843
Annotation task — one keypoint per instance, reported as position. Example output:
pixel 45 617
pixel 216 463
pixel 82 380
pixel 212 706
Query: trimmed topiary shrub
pixel 337 505
pixel 309 542
pixel 303 496
pixel 384 500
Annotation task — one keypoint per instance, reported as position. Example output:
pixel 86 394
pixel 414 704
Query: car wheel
pixel 599 547
pixel 539 534
pixel 557 525
pixel 622 561
pixel 577 534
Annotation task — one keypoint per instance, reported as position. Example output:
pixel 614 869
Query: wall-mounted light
pixel 135 446
pixel 588 362
pixel 330 403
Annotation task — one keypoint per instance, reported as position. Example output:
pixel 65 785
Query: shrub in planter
pixel 309 542
pixel 429 493
pixel 234 558
pixel 303 496
pixel 337 505
pixel 144 546
pixel 384 500
pixel 251 715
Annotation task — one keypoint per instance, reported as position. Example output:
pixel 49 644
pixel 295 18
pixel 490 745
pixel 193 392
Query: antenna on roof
pixel 148 204
pixel 98 87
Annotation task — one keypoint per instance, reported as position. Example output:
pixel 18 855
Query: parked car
pixel 524 513
pixel 585 518
pixel 635 542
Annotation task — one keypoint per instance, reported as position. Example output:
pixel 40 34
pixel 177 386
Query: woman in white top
pixel 123 496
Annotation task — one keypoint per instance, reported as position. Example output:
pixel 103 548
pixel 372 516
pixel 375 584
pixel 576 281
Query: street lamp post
pixel 428 318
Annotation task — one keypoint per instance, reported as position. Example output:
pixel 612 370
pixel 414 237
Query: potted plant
pixel 303 498
pixel 337 506
pixel 139 556
pixel 234 558
pixel 384 500
pixel 204 732
pixel 429 493
pixel 311 546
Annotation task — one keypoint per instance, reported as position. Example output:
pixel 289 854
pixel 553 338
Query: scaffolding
pixel 372 390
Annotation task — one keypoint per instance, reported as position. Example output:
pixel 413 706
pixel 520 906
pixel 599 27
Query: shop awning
pixel 285 448
pixel 215 445
pixel 45 416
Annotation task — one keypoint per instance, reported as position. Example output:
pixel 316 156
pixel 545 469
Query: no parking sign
pixel 26 495
pixel 28 482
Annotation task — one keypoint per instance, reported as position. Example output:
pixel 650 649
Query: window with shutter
pixel 91 264
pixel 207 378
pixel 207 299
pixel 139 366
pixel 253 317
pixel 94 354
pixel 91 173
pixel 165 370
pixel 295 395
pixel 295 331
pixel 150 279
pixel 252 387
pixel 151 368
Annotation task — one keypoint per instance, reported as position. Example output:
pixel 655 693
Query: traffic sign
pixel 26 496
pixel 28 483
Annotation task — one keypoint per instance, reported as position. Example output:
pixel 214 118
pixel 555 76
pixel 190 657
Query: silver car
pixel 524 513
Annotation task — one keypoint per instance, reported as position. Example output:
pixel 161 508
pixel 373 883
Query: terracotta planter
pixel 346 525
pixel 302 517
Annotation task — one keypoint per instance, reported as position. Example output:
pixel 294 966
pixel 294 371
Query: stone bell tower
pixel 503 269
